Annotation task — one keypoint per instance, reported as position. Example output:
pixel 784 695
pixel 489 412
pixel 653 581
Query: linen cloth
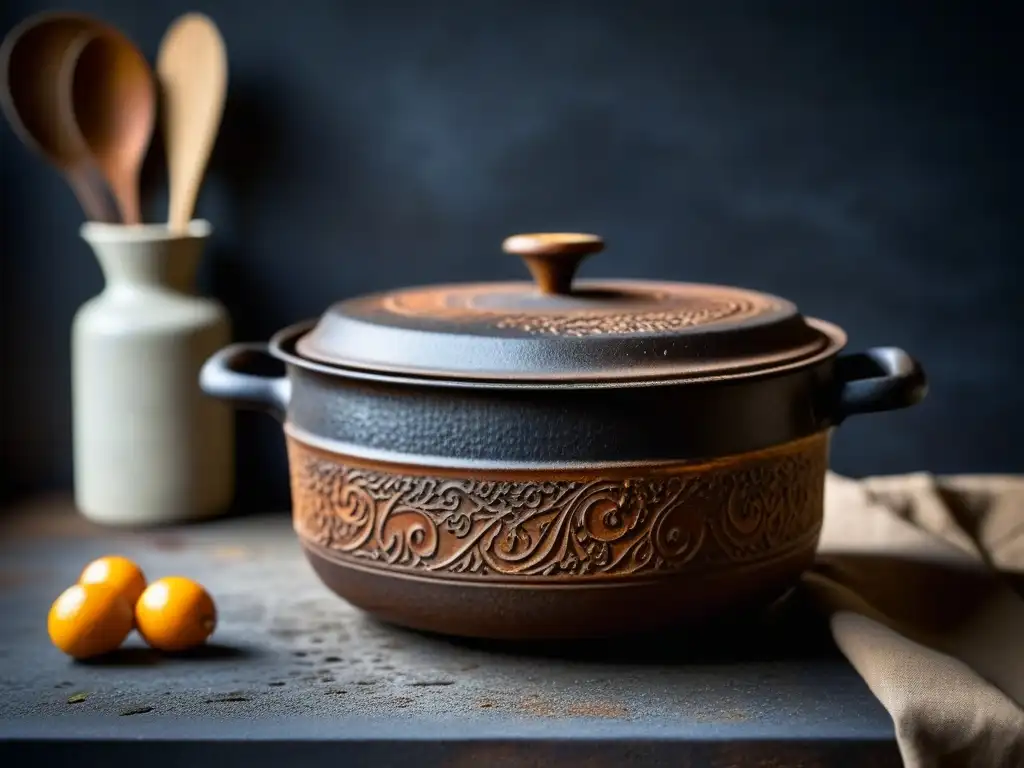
pixel 922 580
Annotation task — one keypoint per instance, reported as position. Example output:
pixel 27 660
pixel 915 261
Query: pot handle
pixel 232 374
pixel 880 379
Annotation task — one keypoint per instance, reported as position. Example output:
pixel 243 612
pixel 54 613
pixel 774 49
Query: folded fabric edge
pixel 939 705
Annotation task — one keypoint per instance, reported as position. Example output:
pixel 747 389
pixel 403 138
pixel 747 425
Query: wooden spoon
pixel 32 93
pixel 192 67
pixel 113 101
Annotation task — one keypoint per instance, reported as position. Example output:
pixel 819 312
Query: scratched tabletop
pixel 295 675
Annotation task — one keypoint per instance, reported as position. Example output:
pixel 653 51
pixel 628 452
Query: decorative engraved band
pixel 538 527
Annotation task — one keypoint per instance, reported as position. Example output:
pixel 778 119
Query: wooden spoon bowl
pixel 113 104
pixel 192 67
pixel 34 97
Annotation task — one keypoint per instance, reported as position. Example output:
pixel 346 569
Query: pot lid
pixel 557 329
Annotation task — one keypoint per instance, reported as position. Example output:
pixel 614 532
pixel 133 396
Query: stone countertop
pixel 294 673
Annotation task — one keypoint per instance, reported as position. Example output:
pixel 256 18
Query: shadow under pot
pixel 560 458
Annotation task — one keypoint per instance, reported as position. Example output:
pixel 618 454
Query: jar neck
pixel 158 264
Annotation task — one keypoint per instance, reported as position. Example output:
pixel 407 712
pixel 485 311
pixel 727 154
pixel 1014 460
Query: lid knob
pixel 553 257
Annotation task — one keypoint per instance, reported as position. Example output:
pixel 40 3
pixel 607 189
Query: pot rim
pixel 282 346
pixel 512 470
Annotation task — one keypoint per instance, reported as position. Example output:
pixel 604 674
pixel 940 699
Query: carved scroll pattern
pixel 748 509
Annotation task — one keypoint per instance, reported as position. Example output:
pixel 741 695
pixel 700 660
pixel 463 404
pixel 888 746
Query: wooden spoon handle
pixel 89 191
pixel 126 189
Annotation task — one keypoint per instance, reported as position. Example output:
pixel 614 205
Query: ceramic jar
pixel 149 448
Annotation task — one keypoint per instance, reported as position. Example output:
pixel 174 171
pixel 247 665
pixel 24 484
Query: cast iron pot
pixel 562 458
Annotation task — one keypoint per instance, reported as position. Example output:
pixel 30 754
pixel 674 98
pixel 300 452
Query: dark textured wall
pixel 857 157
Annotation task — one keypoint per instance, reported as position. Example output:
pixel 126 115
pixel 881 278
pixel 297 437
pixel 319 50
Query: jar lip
pixel 283 346
pixel 104 232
